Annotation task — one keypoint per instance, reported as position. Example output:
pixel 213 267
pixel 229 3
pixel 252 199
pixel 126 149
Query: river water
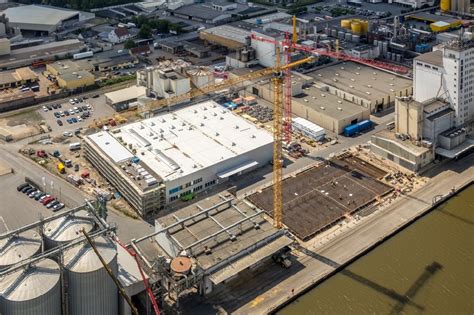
pixel 427 268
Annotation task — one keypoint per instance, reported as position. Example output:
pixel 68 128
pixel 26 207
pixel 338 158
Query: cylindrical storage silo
pixel 376 43
pixel 341 34
pixel 348 37
pixel 356 28
pixel 245 56
pixel 19 247
pixel 67 228
pixel 90 289
pixel 399 58
pixel 334 33
pixel 34 289
pixel 389 55
pixel 355 38
pixel 327 31
pixel 346 24
pixel 445 5
pixel 365 26
pixel 380 45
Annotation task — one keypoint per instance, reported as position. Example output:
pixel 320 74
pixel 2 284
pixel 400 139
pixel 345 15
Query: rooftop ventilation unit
pixel 323 108
pixel 306 100
pixel 340 102
pixel 339 109
pixel 202 124
pixel 163 120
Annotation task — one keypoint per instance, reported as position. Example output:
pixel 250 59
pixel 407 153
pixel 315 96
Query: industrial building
pixel 172 78
pixel 17 78
pixel 170 156
pixel 44 20
pixel 114 63
pixel 124 98
pixel 41 54
pixel 368 87
pixel 67 66
pixel 329 111
pixel 56 271
pixel 209 243
pixel 436 74
pixel 230 36
pixel 75 80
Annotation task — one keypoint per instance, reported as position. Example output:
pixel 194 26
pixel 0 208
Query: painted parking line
pixel 3 226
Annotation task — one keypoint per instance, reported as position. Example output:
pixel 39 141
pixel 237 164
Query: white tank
pixel 19 247
pixel 35 289
pixel 91 291
pixel 67 228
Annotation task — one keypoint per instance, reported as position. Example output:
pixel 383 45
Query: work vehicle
pixel 61 168
pixel 68 163
pixel 75 146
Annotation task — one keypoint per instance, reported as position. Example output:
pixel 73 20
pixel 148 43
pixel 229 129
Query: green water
pixel 426 269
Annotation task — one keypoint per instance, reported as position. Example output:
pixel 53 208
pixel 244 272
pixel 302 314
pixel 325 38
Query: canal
pixel 426 268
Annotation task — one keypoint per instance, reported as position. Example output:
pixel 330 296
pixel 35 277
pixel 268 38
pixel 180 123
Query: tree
pixel 129 44
pixel 145 31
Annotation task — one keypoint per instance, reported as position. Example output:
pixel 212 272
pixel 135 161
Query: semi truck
pixel 354 129
pixel 83 55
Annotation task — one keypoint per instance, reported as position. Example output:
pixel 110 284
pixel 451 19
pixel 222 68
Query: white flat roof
pixel 185 141
pixel 114 149
pixel 126 94
pixel 36 14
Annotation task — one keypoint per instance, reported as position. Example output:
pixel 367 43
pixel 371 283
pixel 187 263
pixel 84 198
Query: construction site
pixel 172 165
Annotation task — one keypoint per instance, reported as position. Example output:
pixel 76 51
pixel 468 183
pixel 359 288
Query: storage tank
pixel 91 291
pixel 376 42
pixel 399 58
pixel 67 228
pixel 389 55
pixel 245 56
pixel 356 28
pixel 334 33
pixel 19 247
pixel 365 26
pixel 348 37
pixel 327 31
pixel 200 76
pixel 346 24
pixel 355 38
pixel 341 34
pixel 445 5
pixel 34 289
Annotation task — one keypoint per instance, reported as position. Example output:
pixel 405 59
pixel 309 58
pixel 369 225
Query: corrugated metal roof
pixel 82 257
pixel 68 227
pixel 19 247
pixel 31 282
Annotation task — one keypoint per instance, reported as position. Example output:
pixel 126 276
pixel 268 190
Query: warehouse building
pixel 17 78
pixel 229 36
pixel 311 103
pixel 371 88
pixel 44 20
pixel 122 99
pixel 176 155
pixel 75 80
pixel 68 66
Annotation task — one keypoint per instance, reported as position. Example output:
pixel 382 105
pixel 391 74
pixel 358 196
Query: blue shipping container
pixel 351 130
pixel 364 125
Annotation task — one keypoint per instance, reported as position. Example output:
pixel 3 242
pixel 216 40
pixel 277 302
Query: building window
pixel 173 198
pixel 197 181
pixel 212 182
pixel 174 190
pixel 188 185
pixel 198 188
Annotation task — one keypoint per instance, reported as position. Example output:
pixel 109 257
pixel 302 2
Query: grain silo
pixel 67 228
pixel 34 289
pixel 90 289
pixel 19 247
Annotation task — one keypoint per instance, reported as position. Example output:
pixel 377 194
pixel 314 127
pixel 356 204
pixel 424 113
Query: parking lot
pixel 95 106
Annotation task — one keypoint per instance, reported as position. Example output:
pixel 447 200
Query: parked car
pixel 45 109
pixel 66 113
pixel 60 123
pixel 47 200
pixel 52 204
pixel 96 96
pixel 33 193
pixel 49 107
pixel 55 106
pixel 67 134
pixel 24 189
pixel 84 107
pixel 40 195
pixel 60 106
pixel 27 191
pixel 41 153
pixel 20 187
pixel 44 197
pixel 76 167
pixel 58 207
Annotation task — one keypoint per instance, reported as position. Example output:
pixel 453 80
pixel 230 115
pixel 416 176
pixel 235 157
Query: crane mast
pixel 277 82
